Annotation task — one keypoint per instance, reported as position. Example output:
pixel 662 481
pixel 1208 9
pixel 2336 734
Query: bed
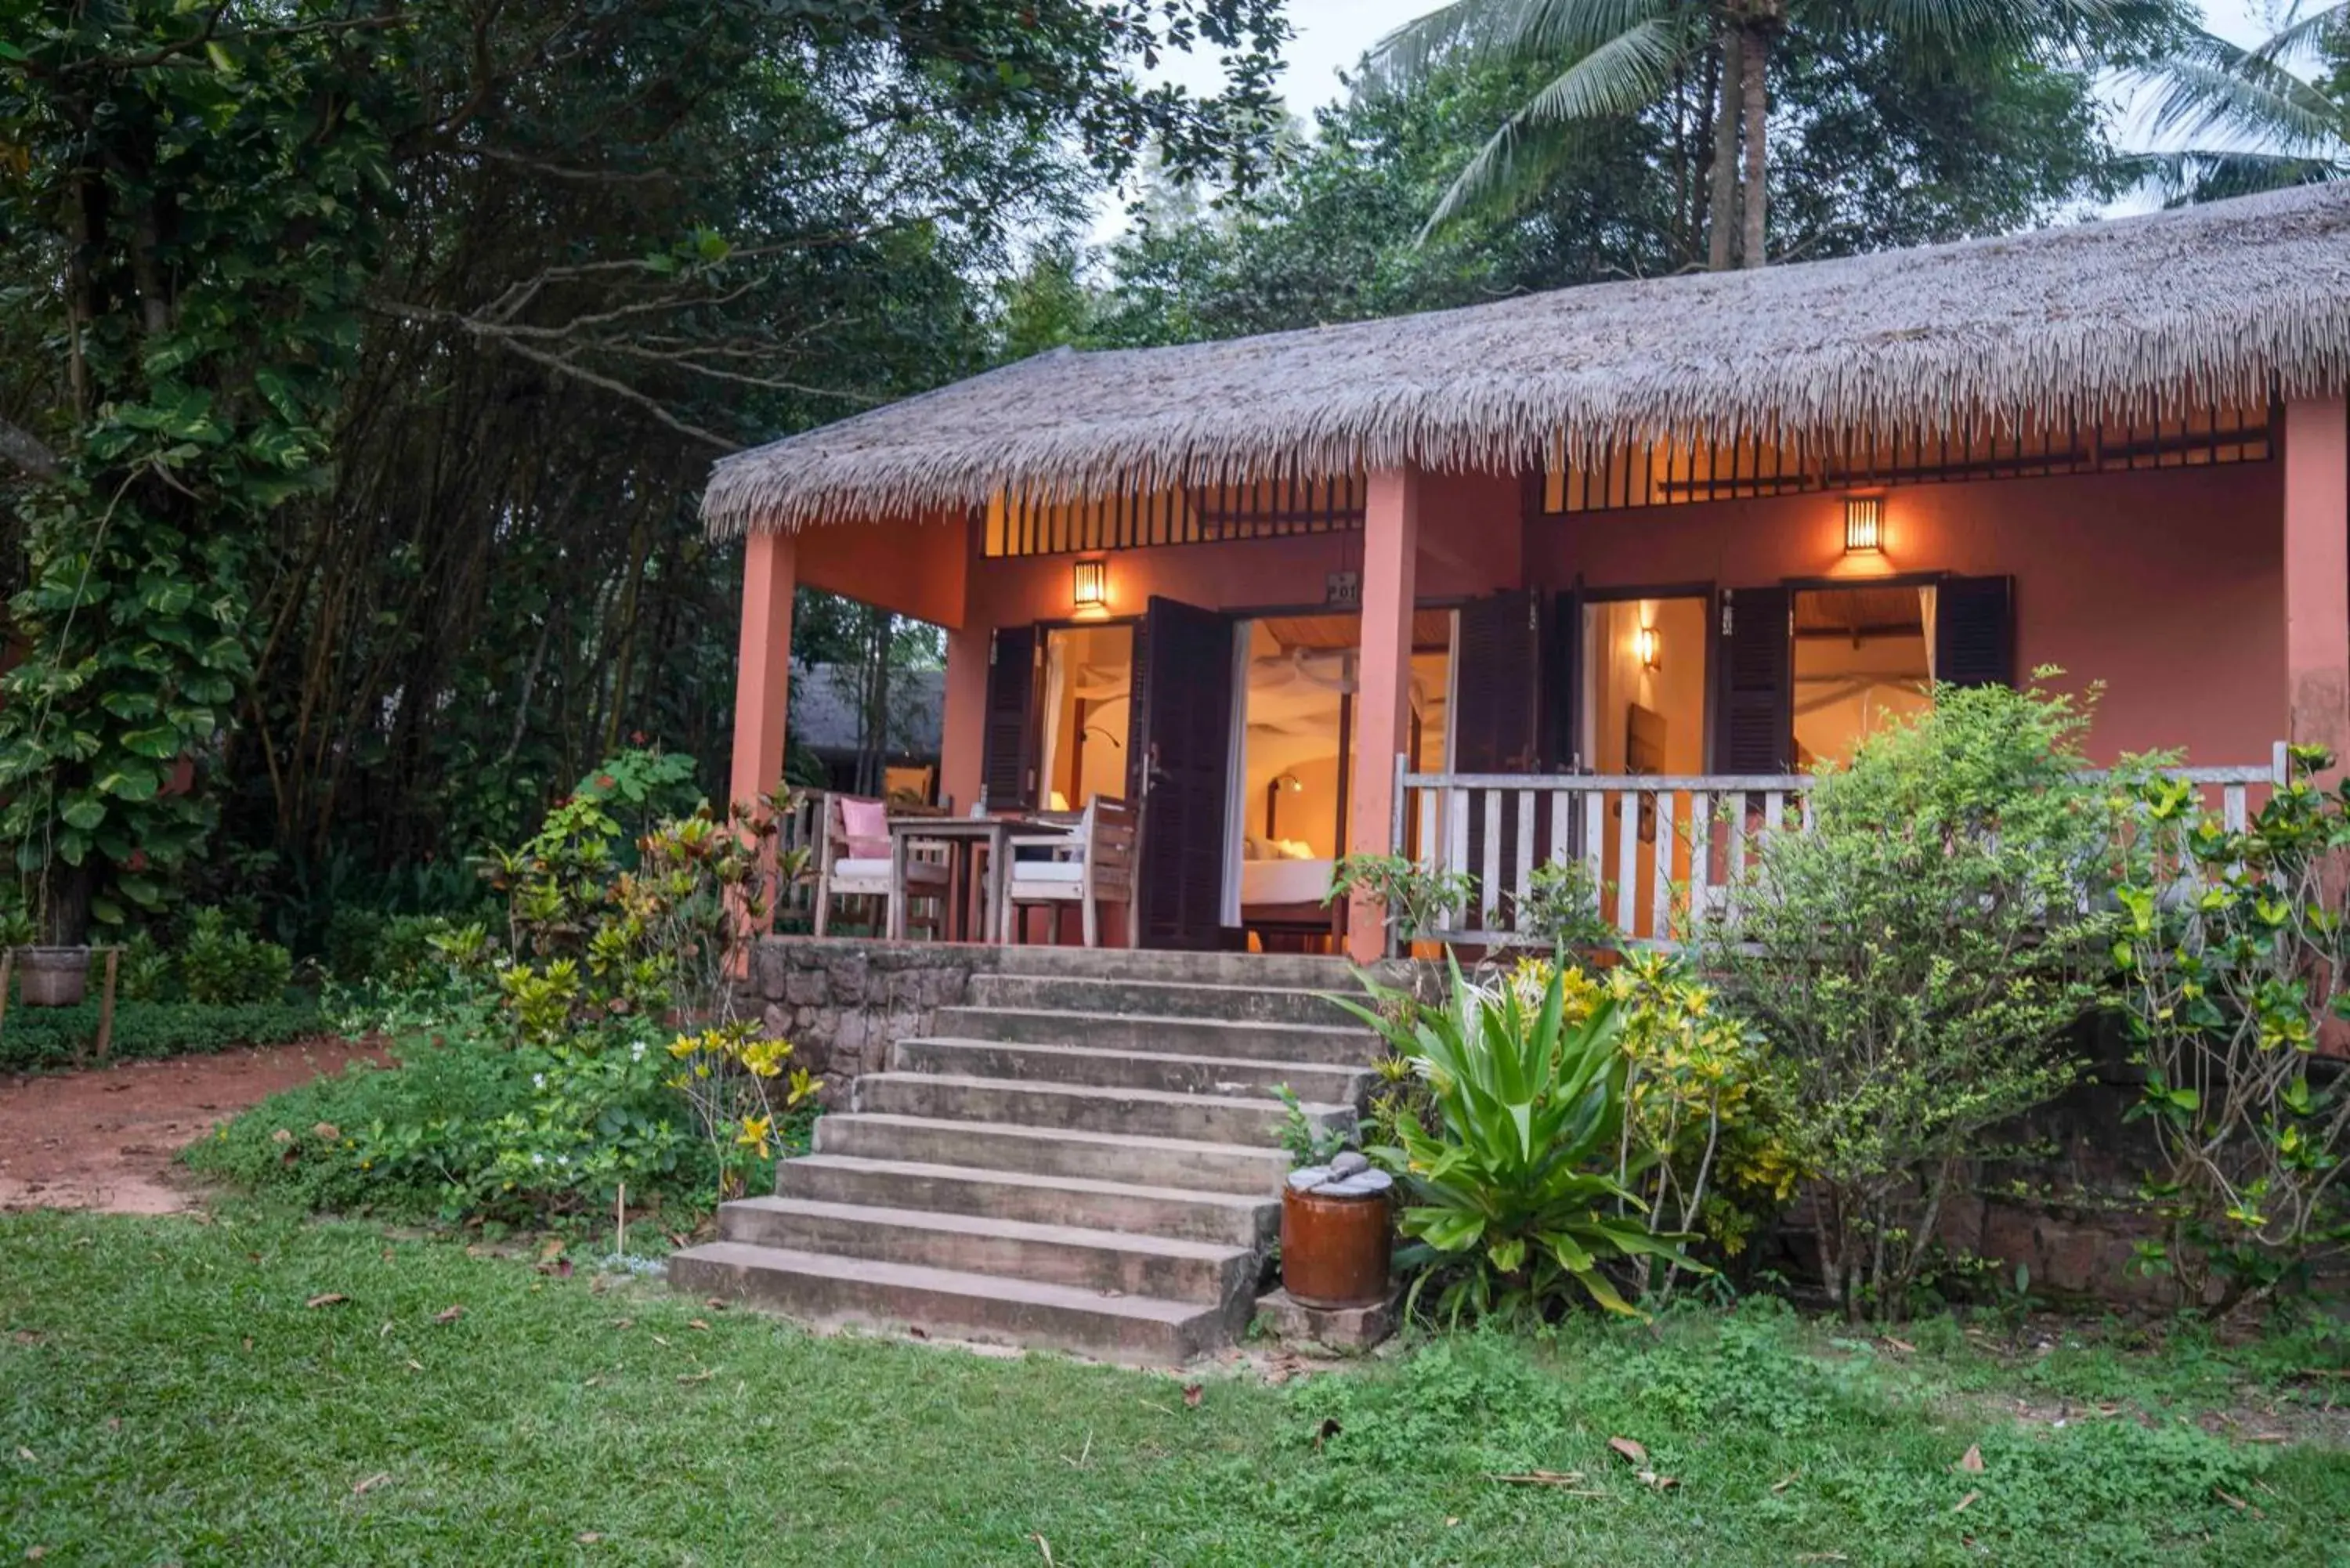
pixel 1281 902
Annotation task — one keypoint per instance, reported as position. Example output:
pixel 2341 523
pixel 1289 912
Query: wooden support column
pixel 762 665
pixel 1383 710
pixel 2317 572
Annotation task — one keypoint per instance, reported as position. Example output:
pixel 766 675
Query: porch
pixel 1597 574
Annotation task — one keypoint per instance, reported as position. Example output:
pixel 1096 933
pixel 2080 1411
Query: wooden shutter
pixel 1974 631
pixel 1186 696
pixel 1562 685
pixel 1498 687
pixel 1138 732
pixel 1754 691
pixel 1008 743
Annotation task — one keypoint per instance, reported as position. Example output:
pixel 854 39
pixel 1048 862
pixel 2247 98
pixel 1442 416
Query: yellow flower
pixel 755 1133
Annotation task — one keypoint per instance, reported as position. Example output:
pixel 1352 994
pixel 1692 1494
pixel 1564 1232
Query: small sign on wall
pixel 1343 591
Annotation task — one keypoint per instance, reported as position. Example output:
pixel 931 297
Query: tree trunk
pixel 1757 57
pixel 1721 216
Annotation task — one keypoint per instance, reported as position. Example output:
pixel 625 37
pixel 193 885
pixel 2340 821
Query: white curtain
pixel 1926 618
pixel 1056 679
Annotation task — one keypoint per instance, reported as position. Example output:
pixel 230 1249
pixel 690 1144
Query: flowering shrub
pixel 597 1050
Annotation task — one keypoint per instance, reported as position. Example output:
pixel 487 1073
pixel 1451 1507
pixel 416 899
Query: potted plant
pixel 50 974
pixel 1337 1232
pixel 1416 898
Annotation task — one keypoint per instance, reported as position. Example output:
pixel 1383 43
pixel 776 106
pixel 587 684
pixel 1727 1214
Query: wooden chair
pixel 1091 862
pixel 853 861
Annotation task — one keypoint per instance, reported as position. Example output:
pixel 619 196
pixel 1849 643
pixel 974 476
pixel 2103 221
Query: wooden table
pixel 964 837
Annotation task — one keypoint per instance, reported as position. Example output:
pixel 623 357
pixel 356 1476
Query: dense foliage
pixel 2234 957
pixel 360 363
pixel 1917 960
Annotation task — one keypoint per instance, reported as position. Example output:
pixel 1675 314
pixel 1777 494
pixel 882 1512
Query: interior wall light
pixel 1090 585
pixel 1649 645
pixel 1864 524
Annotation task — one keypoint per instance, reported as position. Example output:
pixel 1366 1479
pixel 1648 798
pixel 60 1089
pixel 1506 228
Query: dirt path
pixel 105 1140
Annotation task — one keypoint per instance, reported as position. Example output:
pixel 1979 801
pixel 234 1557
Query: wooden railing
pixel 1663 853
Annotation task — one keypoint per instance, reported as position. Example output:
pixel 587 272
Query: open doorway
pixel 1297 760
pixel 1644 712
pixel 1086 702
pixel 1864 658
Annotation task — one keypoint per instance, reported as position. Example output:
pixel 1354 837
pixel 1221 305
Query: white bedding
pixel 1285 881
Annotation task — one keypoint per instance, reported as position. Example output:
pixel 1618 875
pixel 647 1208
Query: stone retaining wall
pixel 840 1002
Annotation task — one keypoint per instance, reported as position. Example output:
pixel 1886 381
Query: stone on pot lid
pixel 1361 1184
pixel 1349 1163
pixel 1307 1180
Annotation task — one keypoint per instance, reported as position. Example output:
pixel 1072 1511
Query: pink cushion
pixel 866 825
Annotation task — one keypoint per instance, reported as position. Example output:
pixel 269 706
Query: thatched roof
pixel 2206 305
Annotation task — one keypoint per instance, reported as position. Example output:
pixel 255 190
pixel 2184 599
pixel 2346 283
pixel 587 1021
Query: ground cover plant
pixel 256 1388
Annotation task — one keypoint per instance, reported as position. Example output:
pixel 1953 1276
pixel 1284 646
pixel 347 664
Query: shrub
pixel 1916 958
pixel 1562 908
pixel 219 965
pixel 2232 958
pixel 34 1038
pixel 596 1053
pixel 1514 1202
pixel 1416 899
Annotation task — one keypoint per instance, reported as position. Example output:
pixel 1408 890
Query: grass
pixel 166 1394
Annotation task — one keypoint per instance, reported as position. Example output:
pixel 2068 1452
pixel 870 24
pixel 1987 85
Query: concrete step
pixel 1233 1218
pixel 1213 1273
pixel 1168 998
pixel 1147 1113
pixel 828 1289
pixel 1357 1047
pixel 1131 1069
pixel 1253 1170
pixel 1199 969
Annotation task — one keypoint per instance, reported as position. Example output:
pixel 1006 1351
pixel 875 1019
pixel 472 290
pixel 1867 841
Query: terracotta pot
pixel 52 977
pixel 1334 1250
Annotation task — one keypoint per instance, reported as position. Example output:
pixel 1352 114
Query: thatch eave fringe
pixel 2232 302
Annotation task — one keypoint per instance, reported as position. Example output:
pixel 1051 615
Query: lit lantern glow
pixel 1864 524
pixel 1090 585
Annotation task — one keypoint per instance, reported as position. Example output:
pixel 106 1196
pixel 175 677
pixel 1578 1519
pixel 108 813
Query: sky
pixel 1332 35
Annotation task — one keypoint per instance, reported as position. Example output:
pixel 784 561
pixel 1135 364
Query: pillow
pixel 1250 849
pixel 1293 849
pixel 866 824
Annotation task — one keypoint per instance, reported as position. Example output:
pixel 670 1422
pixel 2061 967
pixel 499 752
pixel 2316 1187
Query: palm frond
pixel 1502 29
pixel 2187 176
pixel 2306 35
pixel 1981 22
pixel 2216 86
pixel 1622 76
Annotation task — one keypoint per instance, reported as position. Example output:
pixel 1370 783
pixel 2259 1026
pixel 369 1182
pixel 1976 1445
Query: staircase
pixel 1086 1156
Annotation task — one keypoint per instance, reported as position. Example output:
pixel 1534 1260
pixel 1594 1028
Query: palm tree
pixel 1619 56
pixel 2254 122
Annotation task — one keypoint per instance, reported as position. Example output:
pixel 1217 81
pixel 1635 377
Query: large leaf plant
pixel 1514 1206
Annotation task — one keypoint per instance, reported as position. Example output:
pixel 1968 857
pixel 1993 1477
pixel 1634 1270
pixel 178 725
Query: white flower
pixel 538 1159
pixel 637 1052
pixel 563 1159
pixel 538 1080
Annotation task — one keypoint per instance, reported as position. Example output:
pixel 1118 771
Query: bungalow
pixel 1293 592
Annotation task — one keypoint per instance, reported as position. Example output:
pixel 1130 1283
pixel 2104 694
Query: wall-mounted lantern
pixel 1090 585
pixel 1864 524
pixel 1648 646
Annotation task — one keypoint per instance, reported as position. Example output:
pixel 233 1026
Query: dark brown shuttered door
pixel 1755 706
pixel 1498 726
pixel 1008 746
pixel 1974 631
pixel 1186 698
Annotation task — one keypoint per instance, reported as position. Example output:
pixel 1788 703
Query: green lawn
pixel 167 1396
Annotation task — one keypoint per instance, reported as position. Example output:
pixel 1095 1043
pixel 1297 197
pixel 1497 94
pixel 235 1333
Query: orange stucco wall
pixel 915 567
pixel 1472 540
pixel 2168 585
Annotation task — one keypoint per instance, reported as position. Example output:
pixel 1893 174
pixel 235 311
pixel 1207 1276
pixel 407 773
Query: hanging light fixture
pixel 1090 585
pixel 1864 524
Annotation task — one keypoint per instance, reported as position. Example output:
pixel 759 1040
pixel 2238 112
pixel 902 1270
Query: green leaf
pixel 161 741
pixel 82 811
